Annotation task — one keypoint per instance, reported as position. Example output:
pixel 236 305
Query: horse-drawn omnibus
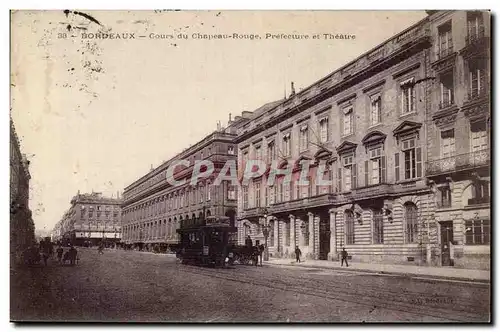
pixel 207 244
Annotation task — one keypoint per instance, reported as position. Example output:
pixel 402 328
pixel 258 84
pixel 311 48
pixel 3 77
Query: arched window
pixel 378 226
pixel 349 227
pixel 411 220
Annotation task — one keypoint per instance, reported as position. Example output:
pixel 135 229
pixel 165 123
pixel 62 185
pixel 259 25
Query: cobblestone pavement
pixel 131 286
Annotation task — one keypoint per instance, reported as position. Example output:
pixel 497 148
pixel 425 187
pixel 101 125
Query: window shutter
pixel 366 173
pixel 354 176
pixel 396 165
pixel 353 122
pixel 413 99
pixel 382 171
pixel 419 162
pixel 339 179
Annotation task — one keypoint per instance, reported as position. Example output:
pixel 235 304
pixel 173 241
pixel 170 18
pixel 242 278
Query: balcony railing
pixel 459 162
pixel 479 200
pixel 473 38
pixel 444 52
pixel 444 204
pixel 446 103
pixel 478 93
pixel 252 212
pixel 298 204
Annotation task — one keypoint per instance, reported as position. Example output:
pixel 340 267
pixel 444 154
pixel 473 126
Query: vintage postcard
pixel 250 166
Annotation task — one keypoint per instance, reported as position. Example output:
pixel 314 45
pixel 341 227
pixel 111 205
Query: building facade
pixel 458 154
pixel 153 209
pixel 91 219
pixel 22 227
pixel 370 128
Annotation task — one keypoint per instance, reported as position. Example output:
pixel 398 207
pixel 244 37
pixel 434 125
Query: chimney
pixel 293 90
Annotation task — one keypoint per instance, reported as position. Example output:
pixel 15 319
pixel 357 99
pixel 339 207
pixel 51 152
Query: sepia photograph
pixel 250 166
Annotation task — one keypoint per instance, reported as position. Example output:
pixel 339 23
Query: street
pixel 130 286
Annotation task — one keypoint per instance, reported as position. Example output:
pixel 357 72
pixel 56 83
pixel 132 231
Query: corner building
pixel 91 219
pixel 458 134
pixel 366 123
pixel 153 209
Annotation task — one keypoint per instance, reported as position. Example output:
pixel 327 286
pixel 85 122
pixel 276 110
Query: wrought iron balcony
pixel 474 38
pixel 298 204
pixel 478 93
pixel 443 204
pixel 444 52
pixel 478 200
pixel 459 162
pixel 446 103
pixel 252 212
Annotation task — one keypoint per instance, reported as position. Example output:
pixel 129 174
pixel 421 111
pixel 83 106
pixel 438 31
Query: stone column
pixel 276 233
pixel 298 234
pixel 316 237
pixel 311 231
pixel 281 236
pixel 292 232
pixel 332 255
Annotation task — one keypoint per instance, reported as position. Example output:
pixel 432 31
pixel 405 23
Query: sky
pixel 95 114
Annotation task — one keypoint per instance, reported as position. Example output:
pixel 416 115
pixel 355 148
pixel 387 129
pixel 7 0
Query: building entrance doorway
pixel 446 242
pixel 324 238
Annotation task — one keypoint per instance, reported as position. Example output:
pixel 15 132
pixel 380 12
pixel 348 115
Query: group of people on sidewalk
pixel 298 252
pixel 45 250
pixel 343 253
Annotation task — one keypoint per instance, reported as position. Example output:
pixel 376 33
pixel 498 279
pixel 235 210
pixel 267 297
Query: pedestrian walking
pixel 298 253
pixel 344 258
pixel 261 252
pixel 72 255
pixel 60 251
pixel 100 249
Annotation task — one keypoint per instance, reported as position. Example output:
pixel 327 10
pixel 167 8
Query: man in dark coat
pixel 72 255
pixel 298 253
pixel 344 258
pixel 248 242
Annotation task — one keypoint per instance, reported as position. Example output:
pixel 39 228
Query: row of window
pixel 322 135
pixel 475 31
pixel 478 140
pixel 177 200
pixel 163 175
pixel 107 209
pixel 476 68
pixel 475 78
pixel 409 167
pixel 159 229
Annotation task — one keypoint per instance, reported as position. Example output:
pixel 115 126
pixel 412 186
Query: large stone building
pixel 153 209
pixel 372 124
pixel 92 218
pixel 458 134
pixel 22 227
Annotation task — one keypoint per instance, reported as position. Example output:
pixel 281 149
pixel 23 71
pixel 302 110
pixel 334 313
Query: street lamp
pixel 265 231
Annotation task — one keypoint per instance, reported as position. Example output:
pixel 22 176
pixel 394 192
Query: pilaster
pixel 316 237
pixel 332 255
pixel 292 232
pixel 311 231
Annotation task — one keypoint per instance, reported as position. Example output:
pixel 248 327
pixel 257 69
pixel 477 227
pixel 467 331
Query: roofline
pixel 190 149
pixel 422 21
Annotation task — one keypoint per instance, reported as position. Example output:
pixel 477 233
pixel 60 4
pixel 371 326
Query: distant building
pixel 91 218
pixel 22 228
pixel 153 209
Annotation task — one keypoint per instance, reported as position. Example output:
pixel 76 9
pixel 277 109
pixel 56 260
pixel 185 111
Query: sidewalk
pixel 402 270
